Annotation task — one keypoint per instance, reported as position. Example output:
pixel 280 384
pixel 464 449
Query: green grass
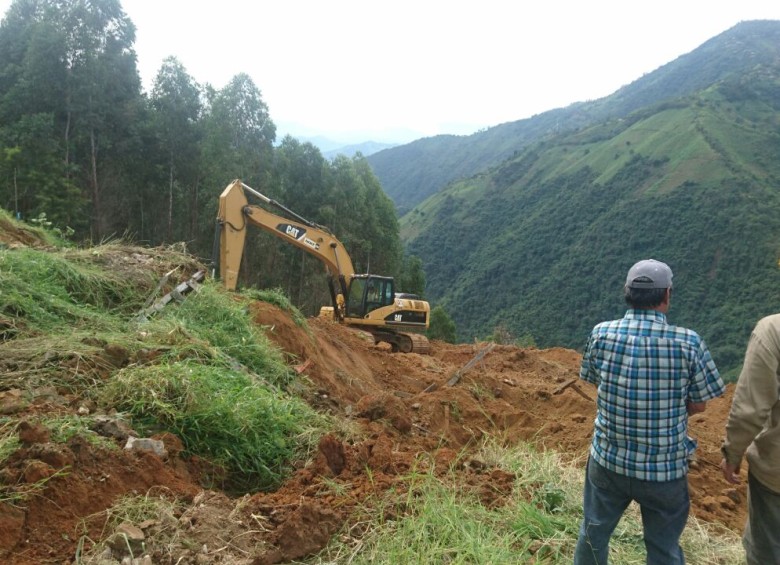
pixel 199 368
pixel 48 293
pixel 225 416
pixel 9 439
pixel 445 525
pixel 441 520
pixel 277 297
pixel 63 428
pixel 221 322
pixel 67 360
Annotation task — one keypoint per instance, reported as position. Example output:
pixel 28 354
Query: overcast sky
pixel 356 70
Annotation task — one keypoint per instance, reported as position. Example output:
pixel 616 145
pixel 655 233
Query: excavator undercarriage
pixel 400 341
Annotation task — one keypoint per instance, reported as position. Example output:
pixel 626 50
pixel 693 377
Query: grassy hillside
pixel 70 319
pixel 412 172
pixel 541 243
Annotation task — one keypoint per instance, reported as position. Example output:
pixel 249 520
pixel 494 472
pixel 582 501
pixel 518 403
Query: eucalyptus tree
pixel 381 221
pixel 302 178
pixel 238 133
pixel 34 178
pixel 301 181
pixel 68 67
pixel 102 95
pixel 238 137
pixel 176 102
pixel 365 217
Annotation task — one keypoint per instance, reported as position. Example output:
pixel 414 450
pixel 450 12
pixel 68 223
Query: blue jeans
pixel 664 507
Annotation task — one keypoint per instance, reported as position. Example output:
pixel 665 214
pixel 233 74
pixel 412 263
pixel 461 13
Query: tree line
pixel 83 146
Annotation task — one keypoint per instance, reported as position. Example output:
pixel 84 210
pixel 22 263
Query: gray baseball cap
pixel 649 273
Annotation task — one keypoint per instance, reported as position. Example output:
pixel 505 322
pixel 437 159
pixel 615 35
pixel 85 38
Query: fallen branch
pixel 478 357
pixel 572 384
pixel 453 380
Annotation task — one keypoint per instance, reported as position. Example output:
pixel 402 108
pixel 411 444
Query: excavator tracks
pixel 410 343
pixel 420 344
pixel 403 342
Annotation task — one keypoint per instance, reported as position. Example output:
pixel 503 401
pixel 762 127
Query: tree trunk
pixel 67 144
pixel 96 204
pixel 194 211
pixel 17 214
pixel 68 117
pixel 143 223
pixel 170 204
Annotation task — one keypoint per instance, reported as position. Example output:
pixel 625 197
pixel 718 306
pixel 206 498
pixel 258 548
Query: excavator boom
pixel 235 211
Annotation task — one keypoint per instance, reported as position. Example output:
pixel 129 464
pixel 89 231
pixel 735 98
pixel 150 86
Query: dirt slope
pixel 401 402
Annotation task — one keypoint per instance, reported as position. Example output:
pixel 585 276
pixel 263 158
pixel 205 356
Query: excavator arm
pixel 235 213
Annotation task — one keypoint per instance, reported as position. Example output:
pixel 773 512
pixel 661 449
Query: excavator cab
pixel 368 293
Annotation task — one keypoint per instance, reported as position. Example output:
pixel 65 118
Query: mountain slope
pixel 541 243
pixel 412 172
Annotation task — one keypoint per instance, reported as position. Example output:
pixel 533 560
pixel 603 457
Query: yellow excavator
pixel 364 301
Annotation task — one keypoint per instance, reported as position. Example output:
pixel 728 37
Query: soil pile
pixel 409 416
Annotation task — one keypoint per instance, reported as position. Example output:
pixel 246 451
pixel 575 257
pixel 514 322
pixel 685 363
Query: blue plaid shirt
pixel 646 371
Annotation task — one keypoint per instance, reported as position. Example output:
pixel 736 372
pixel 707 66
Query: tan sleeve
pixel 755 394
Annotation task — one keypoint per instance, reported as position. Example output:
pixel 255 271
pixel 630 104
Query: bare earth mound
pixel 403 404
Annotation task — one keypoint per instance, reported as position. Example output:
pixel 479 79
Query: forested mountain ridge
pixel 412 172
pixel 540 244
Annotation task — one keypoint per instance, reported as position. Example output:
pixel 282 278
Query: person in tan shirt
pixel 753 430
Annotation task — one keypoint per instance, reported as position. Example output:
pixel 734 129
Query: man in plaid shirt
pixel 650 376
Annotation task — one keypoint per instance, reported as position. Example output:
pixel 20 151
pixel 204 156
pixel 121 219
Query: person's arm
pixel 754 396
pixel 588 372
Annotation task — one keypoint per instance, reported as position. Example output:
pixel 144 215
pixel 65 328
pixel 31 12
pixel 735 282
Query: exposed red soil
pixel 13 235
pixel 410 419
